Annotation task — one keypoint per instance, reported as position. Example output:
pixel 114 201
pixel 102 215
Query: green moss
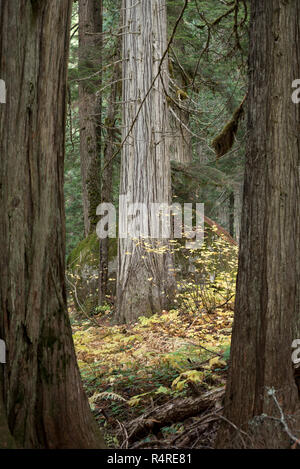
pixel 83 264
pixel 225 140
pixel 87 252
pixel 112 248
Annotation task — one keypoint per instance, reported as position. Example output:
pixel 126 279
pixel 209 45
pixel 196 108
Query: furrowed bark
pixel 145 275
pixel 268 286
pixel 44 400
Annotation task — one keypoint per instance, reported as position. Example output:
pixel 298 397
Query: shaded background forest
pixel 207 64
pixel 132 344
pixel 171 355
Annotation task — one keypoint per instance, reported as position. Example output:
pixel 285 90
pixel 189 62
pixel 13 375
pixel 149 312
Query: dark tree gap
pixel 43 399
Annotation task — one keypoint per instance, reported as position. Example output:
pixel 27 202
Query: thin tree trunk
pixel 238 200
pixel 268 286
pixel 181 146
pixel 90 63
pixel 231 214
pixel 223 213
pixel 145 276
pixel 181 149
pixel 107 170
pixel 43 396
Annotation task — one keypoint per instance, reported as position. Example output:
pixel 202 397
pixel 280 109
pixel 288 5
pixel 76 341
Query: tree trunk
pixel 107 169
pixel 6 439
pixel 43 396
pixel 268 286
pixel 223 213
pixel 181 146
pixel 90 45
pixel 181 149
pixel 145 276
pixel 238 200
pixel 231 214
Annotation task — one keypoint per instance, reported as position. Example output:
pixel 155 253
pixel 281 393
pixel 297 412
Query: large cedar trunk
pixel 145 279
pixel 267 311
pixel 43 396
pixel 90 45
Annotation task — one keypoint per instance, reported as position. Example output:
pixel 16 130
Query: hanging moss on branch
pixel 225 140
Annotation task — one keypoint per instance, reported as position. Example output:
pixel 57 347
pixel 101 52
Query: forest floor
pixel 158 383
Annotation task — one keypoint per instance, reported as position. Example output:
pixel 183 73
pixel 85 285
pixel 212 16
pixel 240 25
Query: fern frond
pixel 106 395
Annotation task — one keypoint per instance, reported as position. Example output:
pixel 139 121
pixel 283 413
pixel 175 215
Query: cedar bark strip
pixel 44 400
pixel 90 62
pixel 267 314
pixel 145 166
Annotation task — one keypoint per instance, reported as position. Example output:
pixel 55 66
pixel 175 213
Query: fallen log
pixel 173 411
pixel 221 231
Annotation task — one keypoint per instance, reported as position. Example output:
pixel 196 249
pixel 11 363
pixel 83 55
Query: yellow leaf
pixel 217 363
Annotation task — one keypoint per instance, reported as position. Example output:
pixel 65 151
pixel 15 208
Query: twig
pixel 239 431
pixel 98 72
pixel 125 442
pixel 110 84
pixel 272 393
pixel 201 346
pixel 80 305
